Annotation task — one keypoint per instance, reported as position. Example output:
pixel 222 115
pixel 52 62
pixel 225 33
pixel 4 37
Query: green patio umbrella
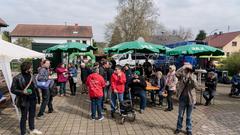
pixel 196 50
pixel 70 47
pixel 137 47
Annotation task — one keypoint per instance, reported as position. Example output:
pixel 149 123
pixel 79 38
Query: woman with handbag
pixel 27 95
pixel 72 78
pixel 62 77
pixel 47 86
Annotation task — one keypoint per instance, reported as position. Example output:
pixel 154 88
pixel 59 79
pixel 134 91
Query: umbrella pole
pixel 135 57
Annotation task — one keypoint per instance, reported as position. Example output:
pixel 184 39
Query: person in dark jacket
pixel 210 91
pixel 159 81
pixel 128 74
pixel 138 85
pixel 25 88
pixel 103 70
pixel 147 66
pixel 72 78
pixel 85 72
pixel 235 84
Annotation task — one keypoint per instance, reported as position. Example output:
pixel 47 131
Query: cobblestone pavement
pixel 72 117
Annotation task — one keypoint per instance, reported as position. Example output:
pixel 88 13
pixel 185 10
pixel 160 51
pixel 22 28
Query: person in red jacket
pixel 95 84
pixel 118 81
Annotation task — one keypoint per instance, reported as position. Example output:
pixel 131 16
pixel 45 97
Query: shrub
pixel 232 63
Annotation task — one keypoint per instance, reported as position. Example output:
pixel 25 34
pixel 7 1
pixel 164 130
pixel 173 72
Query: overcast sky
pixel 194 14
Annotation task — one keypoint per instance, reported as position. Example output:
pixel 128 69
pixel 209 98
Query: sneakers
pixel 52 111
pixel 101 118
pixel 189 133
pixel 177 131
pixel 40 117
pixel 141 111
pixel 35 132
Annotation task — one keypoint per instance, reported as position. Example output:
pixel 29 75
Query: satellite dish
pixel 141 39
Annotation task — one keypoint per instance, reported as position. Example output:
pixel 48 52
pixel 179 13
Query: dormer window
pixel 75 32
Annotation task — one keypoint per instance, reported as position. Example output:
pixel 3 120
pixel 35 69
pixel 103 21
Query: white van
pixel 131 59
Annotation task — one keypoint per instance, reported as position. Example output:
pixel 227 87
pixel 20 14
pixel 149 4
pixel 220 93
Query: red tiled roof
pixel 220 40
pixel 34 30
pixel 3 23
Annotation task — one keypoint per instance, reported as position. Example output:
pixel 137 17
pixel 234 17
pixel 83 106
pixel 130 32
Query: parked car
pixel 132 59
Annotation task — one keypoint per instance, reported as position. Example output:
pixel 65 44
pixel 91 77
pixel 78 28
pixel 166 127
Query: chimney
pixel 76 24
pixel 220 33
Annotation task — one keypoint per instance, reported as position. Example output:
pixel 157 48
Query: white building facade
pixel 53 34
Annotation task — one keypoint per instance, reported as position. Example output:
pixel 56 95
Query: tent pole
pixel 6 70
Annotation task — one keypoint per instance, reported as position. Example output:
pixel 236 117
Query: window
pixel 234 43
pixel 228 53
pixel 139 57
pixel 78 41
pixel 84 41
pixel 69 41
pixel 125 56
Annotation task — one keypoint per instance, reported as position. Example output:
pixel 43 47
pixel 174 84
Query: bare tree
pixel 136 18
pixel 183 33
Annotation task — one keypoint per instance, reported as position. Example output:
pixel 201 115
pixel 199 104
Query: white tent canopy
pixel 9 52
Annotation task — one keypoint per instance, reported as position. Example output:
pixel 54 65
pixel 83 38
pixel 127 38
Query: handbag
pixel 42 84
pixel 75 79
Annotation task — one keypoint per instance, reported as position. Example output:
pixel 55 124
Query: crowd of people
pixel 107 83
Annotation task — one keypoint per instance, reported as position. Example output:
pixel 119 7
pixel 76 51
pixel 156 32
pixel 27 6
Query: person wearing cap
pixel 171 82
pixel 118 81
pixel 185 88
pixel 138 88
pixel 95 84
pixel 211 85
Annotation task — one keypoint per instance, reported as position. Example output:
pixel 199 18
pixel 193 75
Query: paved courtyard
pixel 72 118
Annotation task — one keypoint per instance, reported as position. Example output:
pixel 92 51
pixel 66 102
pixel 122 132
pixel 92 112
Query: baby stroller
pixel 125 110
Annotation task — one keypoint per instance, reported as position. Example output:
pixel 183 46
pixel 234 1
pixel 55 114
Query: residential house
pixel 53 34
pixel 2 24
pixel 228 42
pixel 45 36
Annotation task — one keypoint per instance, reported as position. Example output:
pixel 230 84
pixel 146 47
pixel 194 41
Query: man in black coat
pixel 138 86
pixel 210 84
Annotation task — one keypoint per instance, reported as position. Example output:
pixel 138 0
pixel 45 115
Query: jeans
pixel 106 95
pixel 28 112
pixel 209 95
pixel 45 101
pixel 62 87
pixel 113 100
pixel 84 88
pixel 143 99
pixel 96 106
pixel 169 99
pixel 184 105
pixel 73 86
pixel 50 105
pixel 159 93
